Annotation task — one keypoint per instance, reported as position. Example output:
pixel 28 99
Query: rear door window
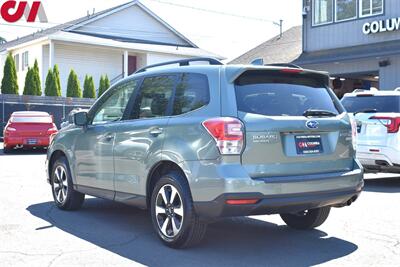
pixel 278 94
pixel 154 97
pixel 192 92
pixel 365 103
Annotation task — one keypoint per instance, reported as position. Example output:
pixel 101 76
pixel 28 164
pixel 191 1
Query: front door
pixel 94 147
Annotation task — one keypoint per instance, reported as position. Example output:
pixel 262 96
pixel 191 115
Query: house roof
pixel 279 49
pixel 72 25
pixel 139 47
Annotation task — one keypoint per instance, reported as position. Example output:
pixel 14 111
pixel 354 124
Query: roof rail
pixel 183 62
pixel 288 65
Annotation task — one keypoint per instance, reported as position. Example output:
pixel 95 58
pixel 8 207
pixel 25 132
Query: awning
pixel 349 53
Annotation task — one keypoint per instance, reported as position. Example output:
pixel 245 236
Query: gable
pixel 133 24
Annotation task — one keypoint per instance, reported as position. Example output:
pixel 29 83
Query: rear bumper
pixel 34 141
pixel 380 158
pixel 276 204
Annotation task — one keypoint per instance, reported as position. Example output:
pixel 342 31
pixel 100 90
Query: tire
pixel 189 228
pixel 307 220
pixel 65 197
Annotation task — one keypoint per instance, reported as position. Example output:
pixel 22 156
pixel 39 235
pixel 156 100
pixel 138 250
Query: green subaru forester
pixel 193 142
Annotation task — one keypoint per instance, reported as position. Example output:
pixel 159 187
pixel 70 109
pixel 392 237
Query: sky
pixel 226 27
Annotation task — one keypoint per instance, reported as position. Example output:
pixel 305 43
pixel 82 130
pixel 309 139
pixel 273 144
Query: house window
pixel 16 60
pixel 25 60
pixel 371 7
pixel 346 10
pixel 322 12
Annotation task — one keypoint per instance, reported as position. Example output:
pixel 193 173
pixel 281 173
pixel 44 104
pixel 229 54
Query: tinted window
pixel 192 92
pixel 114 106
pixel 282 94
pixel 31 120
pixel 379 103
pixel 154 97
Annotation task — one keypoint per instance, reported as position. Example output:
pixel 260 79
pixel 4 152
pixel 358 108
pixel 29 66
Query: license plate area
pixel 31 141
pixel 308 144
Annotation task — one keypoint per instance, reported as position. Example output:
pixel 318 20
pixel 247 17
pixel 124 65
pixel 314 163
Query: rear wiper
pixel 366 111
pixel 318 113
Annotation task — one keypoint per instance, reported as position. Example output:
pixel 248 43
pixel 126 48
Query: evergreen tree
pixel 88 88
pixel 56 74
pixel 29 88
pixel 36 79
pixel 101 89
pixel 106 82
pixel 51 85
pixel 73 86
pixel 9 83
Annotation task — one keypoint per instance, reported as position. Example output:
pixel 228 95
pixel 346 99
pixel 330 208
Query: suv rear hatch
pixel 294 124
pixel 377 117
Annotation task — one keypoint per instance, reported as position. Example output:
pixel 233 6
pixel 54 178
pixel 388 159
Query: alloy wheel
pixel 60 184
pixel 169 211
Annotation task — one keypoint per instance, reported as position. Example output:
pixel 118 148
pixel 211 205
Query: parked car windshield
pixel 39 119
pixel 379 103
pixel 282 95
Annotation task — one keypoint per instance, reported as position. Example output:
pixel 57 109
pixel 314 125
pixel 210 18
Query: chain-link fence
pixel 59 107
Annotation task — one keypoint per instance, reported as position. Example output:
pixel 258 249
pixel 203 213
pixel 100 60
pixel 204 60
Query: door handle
pixel 156 131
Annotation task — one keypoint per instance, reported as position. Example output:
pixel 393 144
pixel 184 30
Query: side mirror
pixel 81 118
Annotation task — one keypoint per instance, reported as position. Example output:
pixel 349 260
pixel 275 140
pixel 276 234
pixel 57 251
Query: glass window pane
pixel 192 93
pixel 377 6
pixel 154 97
pixel 380 103
pixel 323 10
pixel 365 7
pixel 346 9
pixel 113 108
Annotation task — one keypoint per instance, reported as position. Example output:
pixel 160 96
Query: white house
pixel 115 42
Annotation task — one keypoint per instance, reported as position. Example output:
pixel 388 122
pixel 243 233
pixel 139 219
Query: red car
pixel 28 129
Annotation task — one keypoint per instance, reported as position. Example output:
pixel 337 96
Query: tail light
pixel 228 133
pixel 11 129
pixel 52 130
pixel 392 124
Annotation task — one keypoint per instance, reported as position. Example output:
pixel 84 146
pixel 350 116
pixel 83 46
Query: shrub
pixel 88 88
pixel 29 87
pixel 106 82
pixel 73 86
pixel 36 79
pixel 56 74
pixel 51 85
pixel 9 83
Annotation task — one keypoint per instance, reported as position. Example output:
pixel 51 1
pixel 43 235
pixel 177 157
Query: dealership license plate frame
pixel 309 144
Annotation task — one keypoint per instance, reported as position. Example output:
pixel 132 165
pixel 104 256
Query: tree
pixel 56 74
pixel 29 88
pixel 106 82
pixel 51 85
pixel 9 83
pixel 73 86
pixel 88 88
pixel 36 79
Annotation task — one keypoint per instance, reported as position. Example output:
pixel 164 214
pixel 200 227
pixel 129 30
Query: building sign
pixel 387 25
pixel 13 11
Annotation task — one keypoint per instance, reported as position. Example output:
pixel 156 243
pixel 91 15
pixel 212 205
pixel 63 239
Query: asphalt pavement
pixel 103 233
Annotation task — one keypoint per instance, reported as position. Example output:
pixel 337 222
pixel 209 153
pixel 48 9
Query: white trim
pixel 370 14
pixel 352 18
pixel 313 15
pixel 51 54
pixel 126 59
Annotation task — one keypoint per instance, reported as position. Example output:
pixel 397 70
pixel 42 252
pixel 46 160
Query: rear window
pixel 379 103
pixel 277 94
pixel 41 119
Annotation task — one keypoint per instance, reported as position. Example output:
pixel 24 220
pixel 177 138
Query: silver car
pixel 196 142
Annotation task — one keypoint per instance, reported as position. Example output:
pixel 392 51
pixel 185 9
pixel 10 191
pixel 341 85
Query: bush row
pixel 9 83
